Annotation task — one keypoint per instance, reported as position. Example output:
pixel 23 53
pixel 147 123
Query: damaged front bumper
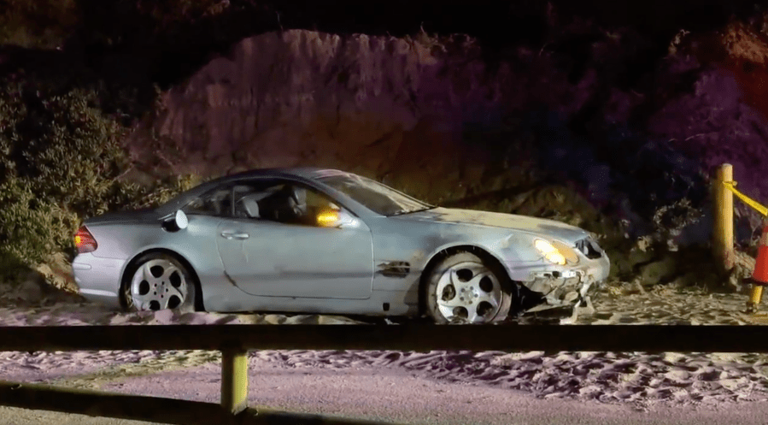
pixel 560 289
pixel 564 286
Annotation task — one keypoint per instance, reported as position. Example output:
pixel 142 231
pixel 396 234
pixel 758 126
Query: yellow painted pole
pixel 755 297
pixel 722 237
pixel 234 380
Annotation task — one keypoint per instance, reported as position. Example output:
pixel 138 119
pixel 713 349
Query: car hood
pixel 547 228
pixel 136 216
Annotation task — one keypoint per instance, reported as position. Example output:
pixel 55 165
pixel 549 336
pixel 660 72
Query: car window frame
pixel 283 180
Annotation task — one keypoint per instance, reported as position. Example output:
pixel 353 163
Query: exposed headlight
pixel 549 252
pixel 568 252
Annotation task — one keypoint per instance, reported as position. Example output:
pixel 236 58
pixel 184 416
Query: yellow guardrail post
pixel 725 188
pixel 722 237
pixel 234 379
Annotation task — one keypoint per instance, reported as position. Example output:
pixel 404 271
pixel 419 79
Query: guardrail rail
pixel 235 341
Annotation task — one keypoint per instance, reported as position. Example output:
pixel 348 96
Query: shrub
pixel 60 161
pixel 32 226
pixel 38 23
pixel 134 196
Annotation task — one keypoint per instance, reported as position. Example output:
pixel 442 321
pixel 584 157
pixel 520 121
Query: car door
pixel 266 255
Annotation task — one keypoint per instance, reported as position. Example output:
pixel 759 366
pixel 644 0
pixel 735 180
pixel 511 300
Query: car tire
pixel 158 281
pixel 464 288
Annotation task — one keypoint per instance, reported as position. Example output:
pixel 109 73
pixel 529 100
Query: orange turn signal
pixel 326 218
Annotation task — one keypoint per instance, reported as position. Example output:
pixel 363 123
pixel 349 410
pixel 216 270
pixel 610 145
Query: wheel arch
pixel 446 252
pixel 132 262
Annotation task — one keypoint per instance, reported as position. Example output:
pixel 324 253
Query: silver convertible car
pixel 325 241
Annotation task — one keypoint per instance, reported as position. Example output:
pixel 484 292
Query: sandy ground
pixel 396 395
pixel 434 388
pixel 661 305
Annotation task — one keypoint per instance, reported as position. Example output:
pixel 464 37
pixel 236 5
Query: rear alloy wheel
pixel 463 288
pixel 159 282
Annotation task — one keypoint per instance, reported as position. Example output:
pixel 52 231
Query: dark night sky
pixel 504 20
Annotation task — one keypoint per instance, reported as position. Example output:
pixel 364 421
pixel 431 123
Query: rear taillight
pixel 84 241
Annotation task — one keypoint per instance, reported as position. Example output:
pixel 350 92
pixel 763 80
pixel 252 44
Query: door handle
pixel 235 235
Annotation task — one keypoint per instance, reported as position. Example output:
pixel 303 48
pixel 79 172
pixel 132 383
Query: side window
pixel 317 202
pixel 280 201
pixel 217 202
pixel 248 198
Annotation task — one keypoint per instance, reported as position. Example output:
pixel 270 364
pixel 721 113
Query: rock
pixel 686 280
pixel 638 255
pixel 275 319
pixel 335 320
pixel 634 287
pixel 655 272
pixel 300 319
pixel 631 256
pixel 644 244
pixel 250 319
pixel 744 266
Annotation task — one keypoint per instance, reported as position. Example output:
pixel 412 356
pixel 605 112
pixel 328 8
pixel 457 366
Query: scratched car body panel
pixel 246 258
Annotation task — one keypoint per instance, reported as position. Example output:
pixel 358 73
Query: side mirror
pixel 178 222
pixel 336 218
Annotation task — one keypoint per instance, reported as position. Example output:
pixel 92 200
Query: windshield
pixel 375 196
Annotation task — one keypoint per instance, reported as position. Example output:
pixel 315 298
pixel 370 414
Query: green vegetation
pixel 60 161
pixel 47 24
pixel 41 24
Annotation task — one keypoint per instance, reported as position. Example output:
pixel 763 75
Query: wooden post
pixel 722 237
pixel 234 380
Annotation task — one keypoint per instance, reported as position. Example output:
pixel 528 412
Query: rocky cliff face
pixel 429 115
pixel 384 106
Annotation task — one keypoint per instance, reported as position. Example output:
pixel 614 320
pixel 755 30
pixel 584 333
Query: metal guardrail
pixel 411 337
pixel 234 341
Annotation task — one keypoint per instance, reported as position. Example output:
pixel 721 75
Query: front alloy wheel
pixel 463 288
